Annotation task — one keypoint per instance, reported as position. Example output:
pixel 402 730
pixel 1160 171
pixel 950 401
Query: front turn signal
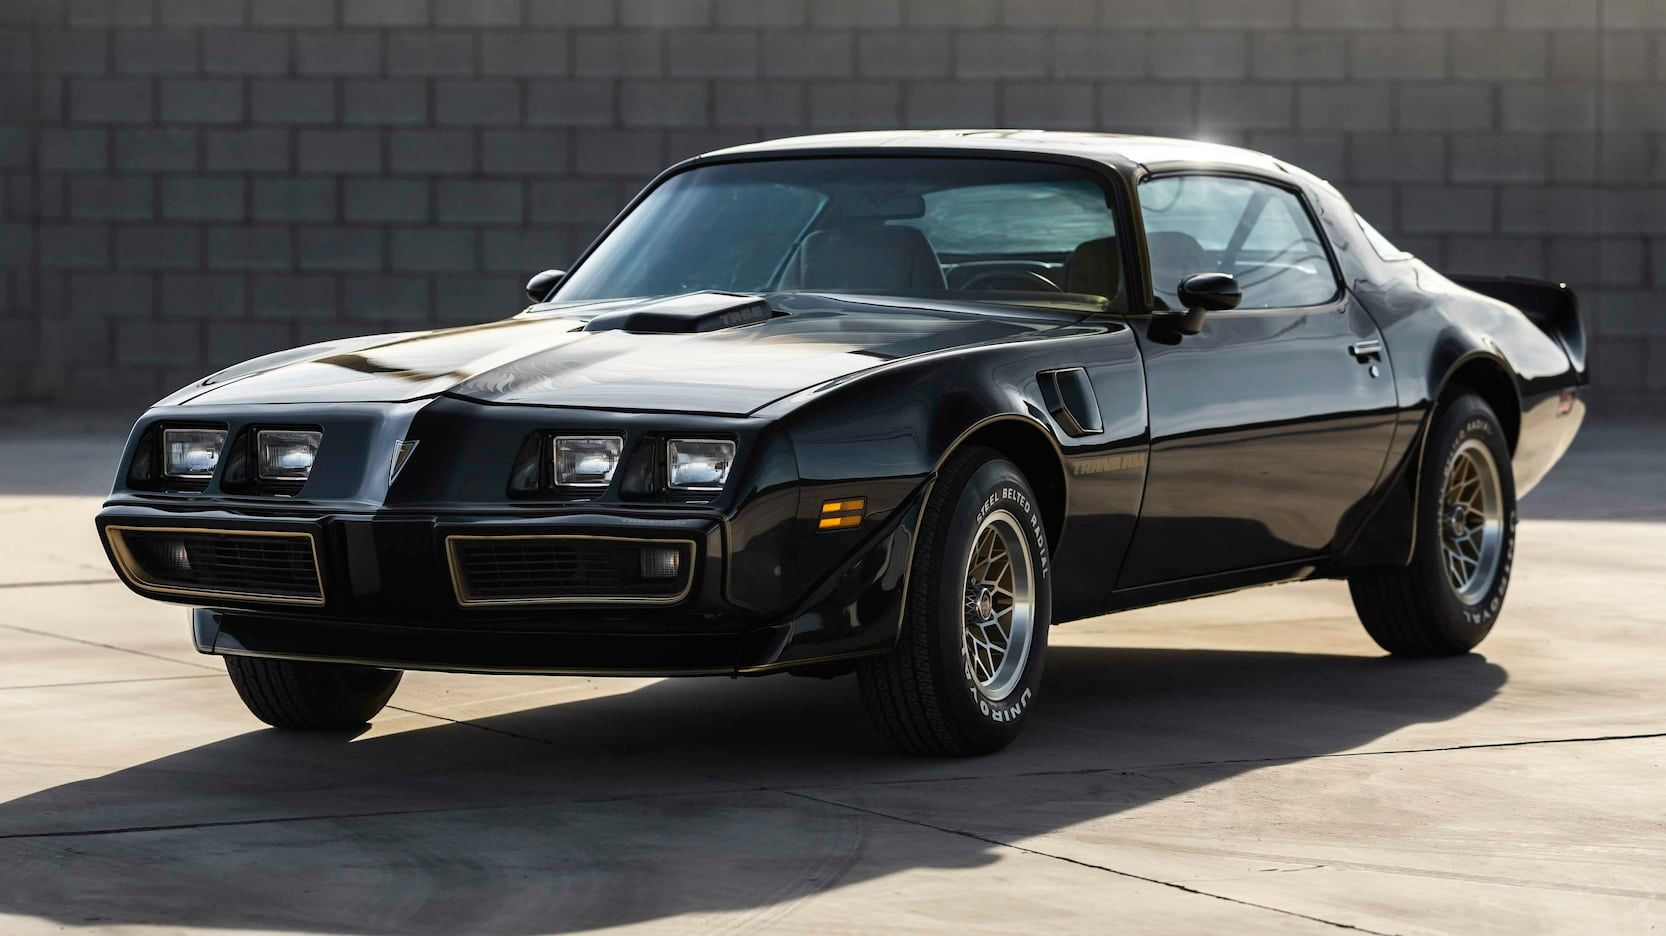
pixel 842 514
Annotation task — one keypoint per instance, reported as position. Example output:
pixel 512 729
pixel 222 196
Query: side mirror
pixel 1210 292
pixel 539 287
pixel 1202 293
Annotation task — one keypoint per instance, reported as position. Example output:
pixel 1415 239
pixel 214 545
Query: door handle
pixel 1367 349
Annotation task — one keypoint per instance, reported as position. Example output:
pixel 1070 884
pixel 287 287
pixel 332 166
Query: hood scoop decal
pixel 685 314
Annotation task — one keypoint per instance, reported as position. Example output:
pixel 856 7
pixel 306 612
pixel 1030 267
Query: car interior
pixel 1011 231
pixel 862 251
pixel 888 258
pixel 861 242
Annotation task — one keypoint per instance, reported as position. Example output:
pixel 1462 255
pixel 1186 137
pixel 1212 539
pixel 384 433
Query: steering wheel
pixel 1027 281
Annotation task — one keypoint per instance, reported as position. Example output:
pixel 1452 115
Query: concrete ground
pixel 1241 764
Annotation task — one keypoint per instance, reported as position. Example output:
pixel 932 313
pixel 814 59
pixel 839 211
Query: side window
pixel 1257 232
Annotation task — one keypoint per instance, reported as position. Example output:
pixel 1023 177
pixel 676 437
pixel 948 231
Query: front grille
pixel 278 567
pixel 550 569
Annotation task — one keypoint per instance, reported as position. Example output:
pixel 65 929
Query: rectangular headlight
pixel 191 453
pixel 287 454
pixel 699 464
pixel 586 461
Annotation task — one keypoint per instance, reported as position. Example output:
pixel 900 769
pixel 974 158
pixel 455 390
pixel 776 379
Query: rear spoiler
pixel 1551 306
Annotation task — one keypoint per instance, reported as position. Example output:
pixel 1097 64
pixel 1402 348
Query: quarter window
pixel 1257 232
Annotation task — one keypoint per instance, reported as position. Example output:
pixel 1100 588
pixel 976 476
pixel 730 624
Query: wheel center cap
pixel 985 604
pixel 1455 520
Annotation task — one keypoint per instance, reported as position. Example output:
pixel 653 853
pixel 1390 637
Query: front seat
pixel 1094 268
pixel 1175 255
pixel 865 257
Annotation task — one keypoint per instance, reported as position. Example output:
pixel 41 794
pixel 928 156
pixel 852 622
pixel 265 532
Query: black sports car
pixel 890 402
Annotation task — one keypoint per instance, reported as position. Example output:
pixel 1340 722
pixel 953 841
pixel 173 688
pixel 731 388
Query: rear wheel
pixel 1448 598
pixel 302 695
pixel 968 663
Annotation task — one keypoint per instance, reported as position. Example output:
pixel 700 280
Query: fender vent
pixel 1069 397
pixel 685 314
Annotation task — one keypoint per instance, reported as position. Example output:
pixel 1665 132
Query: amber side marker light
pixel 842 514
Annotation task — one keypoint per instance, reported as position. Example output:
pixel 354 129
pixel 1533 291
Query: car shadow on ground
pixel 682 797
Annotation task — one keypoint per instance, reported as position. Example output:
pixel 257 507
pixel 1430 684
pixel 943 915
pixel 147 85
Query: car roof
pixel 1116 149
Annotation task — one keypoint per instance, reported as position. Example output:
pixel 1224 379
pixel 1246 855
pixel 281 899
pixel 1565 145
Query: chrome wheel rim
pixel 998 613
pixel 1471 522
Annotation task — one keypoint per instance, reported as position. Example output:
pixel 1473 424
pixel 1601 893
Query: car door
pixel 1270 425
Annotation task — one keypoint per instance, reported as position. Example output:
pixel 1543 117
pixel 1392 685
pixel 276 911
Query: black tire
pixel 924 694
pixel 311 696
pixel 1416 610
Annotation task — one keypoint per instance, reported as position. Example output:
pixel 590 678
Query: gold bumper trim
pixel 466 600
pixel 136 576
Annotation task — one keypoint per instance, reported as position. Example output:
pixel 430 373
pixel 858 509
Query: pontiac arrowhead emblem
pixel 401 454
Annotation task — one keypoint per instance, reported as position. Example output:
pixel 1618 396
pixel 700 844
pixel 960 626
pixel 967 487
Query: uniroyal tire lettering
pixel 999 711
pixel 1501 587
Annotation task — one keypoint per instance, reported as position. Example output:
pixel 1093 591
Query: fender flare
pixel 1046 469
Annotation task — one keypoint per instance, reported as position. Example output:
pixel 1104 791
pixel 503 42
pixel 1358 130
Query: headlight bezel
pixel 703 487
pixel 555 454
pixel 165 455
pixel 284 476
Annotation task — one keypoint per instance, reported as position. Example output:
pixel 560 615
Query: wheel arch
pixel 1027 443
pixel 1489 378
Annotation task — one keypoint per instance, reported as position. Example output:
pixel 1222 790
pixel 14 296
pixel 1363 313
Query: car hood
pixel 547 356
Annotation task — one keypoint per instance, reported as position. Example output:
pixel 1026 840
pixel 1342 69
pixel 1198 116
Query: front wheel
pixel 302 695
pixel 967 665
pixel 1448 598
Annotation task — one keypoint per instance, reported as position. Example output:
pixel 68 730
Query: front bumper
pixel 389 595
pixel 397 567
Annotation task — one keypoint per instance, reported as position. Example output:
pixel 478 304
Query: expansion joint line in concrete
pixel 93 643
pixel 111 682
pixel 368 814
pixel 1085 864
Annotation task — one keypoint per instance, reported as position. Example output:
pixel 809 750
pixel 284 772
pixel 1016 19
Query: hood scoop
pixel 686 314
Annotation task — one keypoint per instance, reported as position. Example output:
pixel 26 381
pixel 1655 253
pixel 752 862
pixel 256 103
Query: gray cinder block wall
pixel 192 182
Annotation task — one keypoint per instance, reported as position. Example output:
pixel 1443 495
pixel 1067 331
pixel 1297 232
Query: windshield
pixel 952 228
